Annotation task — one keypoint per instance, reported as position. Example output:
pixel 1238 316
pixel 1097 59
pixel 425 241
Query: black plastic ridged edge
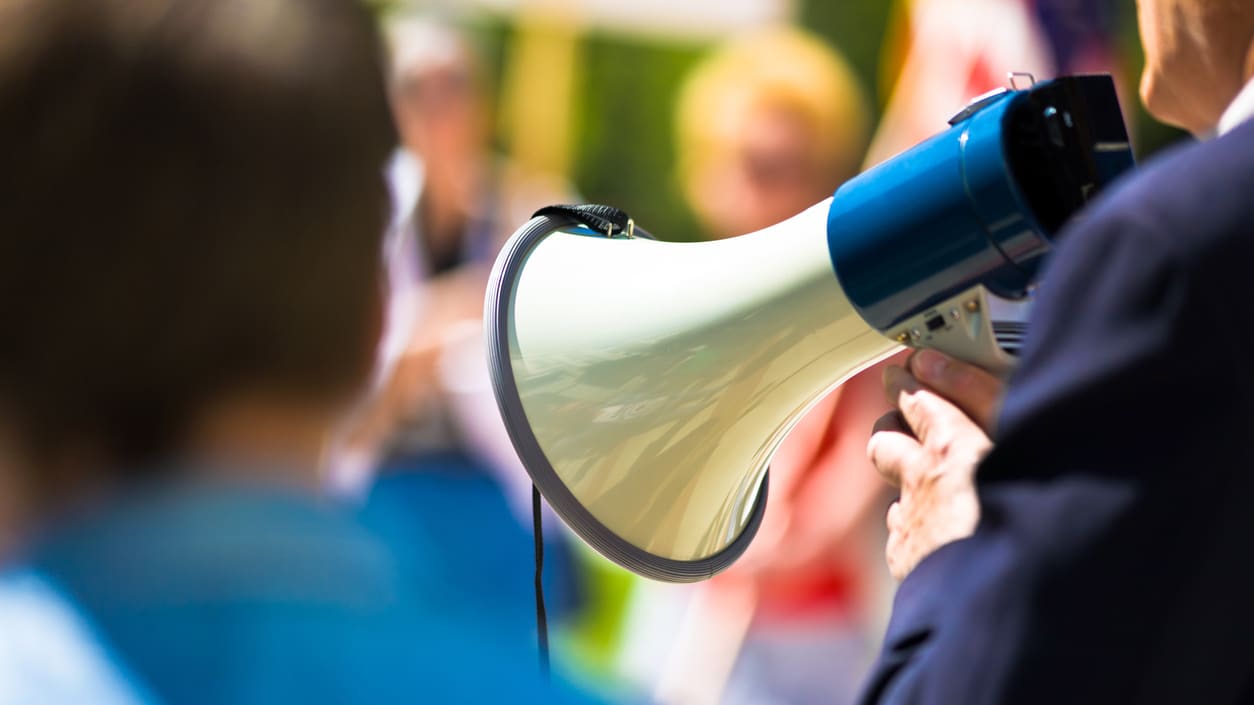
pixel 588 527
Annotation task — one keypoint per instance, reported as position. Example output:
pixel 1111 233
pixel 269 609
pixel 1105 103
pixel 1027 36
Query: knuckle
pixel 921 421
pixel 883 459
pixel 983 447
pixel 926 481
pixel 873 450
pixel 943 442
pixel 906 402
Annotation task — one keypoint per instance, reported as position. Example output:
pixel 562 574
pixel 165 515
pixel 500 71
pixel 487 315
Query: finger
pixel 893 556
pixel 898 381
pixel 892 453
pixel 937 423
pixel 892 520
pixel 901 388
pixel 892 422
pixel 975 391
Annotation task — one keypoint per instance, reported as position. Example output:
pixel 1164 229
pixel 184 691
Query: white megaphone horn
pixel 645 385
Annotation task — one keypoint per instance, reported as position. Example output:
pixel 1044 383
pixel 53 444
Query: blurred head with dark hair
pixel 191 200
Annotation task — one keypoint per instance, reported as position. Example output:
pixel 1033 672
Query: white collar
pixel 1240 110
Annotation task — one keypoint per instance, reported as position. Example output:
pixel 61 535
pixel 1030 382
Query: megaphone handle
pixel 974 326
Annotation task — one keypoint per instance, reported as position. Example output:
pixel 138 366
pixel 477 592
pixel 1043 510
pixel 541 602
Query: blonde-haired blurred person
pixel 767 125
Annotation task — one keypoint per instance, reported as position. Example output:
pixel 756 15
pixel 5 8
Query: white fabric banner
pixel 688 19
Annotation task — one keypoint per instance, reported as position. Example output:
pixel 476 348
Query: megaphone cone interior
pixel 647 384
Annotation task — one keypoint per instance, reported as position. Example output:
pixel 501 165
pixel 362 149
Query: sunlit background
pixel 599 78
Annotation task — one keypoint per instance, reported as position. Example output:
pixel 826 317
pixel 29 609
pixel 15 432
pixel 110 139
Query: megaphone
pixel 645 384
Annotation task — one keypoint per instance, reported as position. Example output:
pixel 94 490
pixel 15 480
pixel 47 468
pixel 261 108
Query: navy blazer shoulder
pixel 1111 563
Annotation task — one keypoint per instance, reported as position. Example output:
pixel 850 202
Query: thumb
pixel 975 391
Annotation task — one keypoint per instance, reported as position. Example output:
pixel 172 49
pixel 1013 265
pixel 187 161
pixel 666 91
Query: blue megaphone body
pixel 977 205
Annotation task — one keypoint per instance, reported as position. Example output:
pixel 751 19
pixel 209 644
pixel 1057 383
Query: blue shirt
pixel 217 595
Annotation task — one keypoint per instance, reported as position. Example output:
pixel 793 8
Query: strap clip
pixel 605 219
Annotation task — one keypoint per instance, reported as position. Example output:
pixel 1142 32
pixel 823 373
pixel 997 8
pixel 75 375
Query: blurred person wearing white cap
pixel 432 437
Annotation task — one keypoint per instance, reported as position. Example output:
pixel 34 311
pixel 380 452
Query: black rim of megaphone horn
pixel 545 477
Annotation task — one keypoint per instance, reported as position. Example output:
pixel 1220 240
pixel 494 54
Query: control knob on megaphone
pixel 646 384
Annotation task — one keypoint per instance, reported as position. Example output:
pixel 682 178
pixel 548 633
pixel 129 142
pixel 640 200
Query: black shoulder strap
pixel 605 219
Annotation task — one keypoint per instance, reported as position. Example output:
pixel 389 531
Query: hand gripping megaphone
pixel 645 385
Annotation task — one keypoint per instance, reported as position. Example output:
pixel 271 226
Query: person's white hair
pixel 419 44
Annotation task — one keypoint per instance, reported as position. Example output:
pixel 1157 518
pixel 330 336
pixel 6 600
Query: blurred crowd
pixel 766 123
pixel 222 587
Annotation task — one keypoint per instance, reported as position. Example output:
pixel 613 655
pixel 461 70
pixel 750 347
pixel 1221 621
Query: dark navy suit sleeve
pixel 1110 562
